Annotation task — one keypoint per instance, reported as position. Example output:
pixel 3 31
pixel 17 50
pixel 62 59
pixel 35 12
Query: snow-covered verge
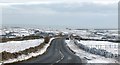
pixel 30 55
pixel 88 57
pixel 16 46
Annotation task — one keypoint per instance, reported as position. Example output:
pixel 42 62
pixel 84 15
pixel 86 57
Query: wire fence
pixel 104 46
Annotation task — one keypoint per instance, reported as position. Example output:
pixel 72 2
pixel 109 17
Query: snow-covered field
pixel 95 34
pixel 108 46
pixel 30 55
pixel 16 46
pixel 88 57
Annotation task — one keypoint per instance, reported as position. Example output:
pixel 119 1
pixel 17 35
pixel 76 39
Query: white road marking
pixel 61 58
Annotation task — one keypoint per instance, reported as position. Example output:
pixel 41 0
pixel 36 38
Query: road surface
pixel 58 52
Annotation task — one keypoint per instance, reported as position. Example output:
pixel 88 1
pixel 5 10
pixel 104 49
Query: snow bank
pixel 30 55
pixel 108 46
pixel 16 46
pixel 88 57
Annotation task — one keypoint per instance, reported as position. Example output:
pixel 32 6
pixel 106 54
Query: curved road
pixel 58 52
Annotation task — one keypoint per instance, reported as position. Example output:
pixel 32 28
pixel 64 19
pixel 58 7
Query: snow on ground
pixel 95 34
pixel 108 46
pixel 88 57
pixel 16 46
pixel 30 55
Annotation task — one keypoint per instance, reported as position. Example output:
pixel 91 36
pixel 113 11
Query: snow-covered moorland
pixel 16 46
pixel 95 34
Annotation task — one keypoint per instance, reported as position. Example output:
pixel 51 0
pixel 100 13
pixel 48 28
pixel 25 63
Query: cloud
pixel 57 1
pixel 71 13
pixel 20 1
pixel 62 8
pixel 68 3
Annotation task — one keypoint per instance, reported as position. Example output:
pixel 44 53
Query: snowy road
pixel 58 52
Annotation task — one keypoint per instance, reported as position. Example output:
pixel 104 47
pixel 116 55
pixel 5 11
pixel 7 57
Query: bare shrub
pixel 46 39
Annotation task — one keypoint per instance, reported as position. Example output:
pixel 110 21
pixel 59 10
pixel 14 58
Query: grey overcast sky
pixel 72 13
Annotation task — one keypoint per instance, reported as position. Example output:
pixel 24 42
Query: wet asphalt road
pixel 58 52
